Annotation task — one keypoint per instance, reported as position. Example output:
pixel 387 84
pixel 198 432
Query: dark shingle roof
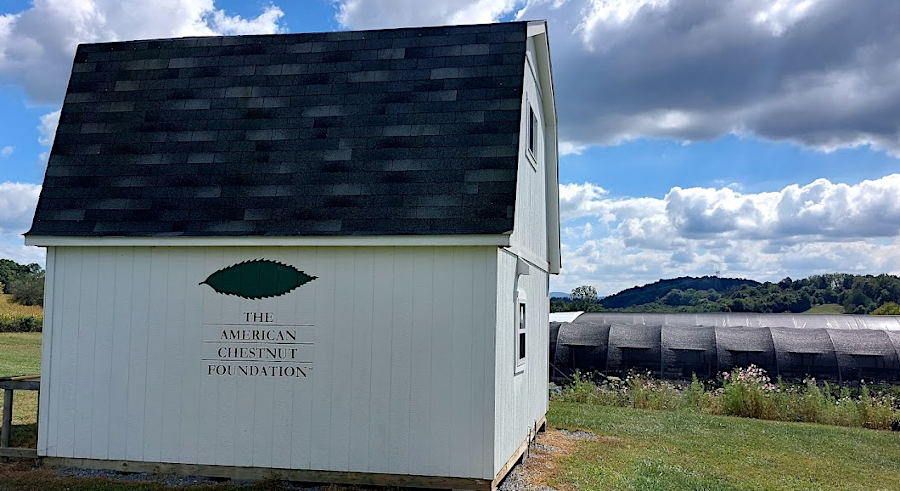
pixel 405 131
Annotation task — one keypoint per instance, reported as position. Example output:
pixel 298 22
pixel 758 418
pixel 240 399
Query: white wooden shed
pixel 318 257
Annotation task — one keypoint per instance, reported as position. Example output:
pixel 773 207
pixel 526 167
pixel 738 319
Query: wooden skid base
pixel 299 475
pixel 540 426
pixel 18 453
pixel 262 473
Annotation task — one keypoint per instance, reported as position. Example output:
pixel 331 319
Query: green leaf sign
pixel 260 278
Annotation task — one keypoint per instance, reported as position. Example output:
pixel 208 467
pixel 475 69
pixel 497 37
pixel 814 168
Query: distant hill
pixel 560 295
pixel 653 292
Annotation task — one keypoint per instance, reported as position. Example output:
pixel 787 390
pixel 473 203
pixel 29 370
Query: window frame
pixel 531 128
pixel 520 331
pixel 531 131
pixel 531 125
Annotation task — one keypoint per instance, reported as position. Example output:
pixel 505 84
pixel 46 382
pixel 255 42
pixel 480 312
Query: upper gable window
pixel 532 123
pixel 533 128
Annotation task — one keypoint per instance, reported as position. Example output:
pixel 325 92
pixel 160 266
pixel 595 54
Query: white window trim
pixel 520 328
pixel 530 133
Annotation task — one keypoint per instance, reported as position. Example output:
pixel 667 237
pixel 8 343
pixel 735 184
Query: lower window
pixel 521 344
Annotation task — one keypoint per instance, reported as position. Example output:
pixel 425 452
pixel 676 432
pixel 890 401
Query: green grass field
pixel 828 308
pixel 20 354
pixel 682 451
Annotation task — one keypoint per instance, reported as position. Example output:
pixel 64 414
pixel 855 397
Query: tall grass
pixel 19 318
pixel 745 392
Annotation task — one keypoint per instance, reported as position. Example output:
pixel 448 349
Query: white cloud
pixel 780 15
pixel 37 45
pixel 267 22
pixel 580 232
pixel 17 202
pixel 7 151
pixel 47 128
pixel 797 231
pixel 611 13
pixel 375 14
pixel 22 254
pixel 569 148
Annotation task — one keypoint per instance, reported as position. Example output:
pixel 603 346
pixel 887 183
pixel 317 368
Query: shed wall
pixel 521 395
pixel 401 359
pixel 530 234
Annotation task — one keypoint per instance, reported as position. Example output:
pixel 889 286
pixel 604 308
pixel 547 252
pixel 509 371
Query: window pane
pixel 522 316
pixel 531 129
pixel 521 345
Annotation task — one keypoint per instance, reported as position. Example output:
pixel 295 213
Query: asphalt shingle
pixel 392 132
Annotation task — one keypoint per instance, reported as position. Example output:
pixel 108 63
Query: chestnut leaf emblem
pixel 259 278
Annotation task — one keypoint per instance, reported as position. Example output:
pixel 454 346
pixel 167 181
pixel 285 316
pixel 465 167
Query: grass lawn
pixel 828 308
pixel 679 450
pixel 20 354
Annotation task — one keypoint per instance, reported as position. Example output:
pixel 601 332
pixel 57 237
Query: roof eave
pixel 257 241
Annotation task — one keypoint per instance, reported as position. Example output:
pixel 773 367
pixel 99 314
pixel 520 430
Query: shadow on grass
pixel 24 436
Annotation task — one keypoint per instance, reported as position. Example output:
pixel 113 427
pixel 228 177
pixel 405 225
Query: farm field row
pixel 7 307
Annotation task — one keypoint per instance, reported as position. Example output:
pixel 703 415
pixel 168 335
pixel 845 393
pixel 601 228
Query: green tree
pixel 11 270
pixel 584 298
pixel 28 289
pixel 889 308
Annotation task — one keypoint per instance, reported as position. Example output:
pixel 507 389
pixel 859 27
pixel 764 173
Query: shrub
pixel 645 392
pixel 745 392
pixel 889 308
pixel 28 290
pixel 27 323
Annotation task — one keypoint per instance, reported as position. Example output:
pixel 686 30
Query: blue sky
pixel 757 138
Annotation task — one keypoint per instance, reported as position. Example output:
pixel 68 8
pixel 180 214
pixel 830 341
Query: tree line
pixel 854 294
pixel 23 282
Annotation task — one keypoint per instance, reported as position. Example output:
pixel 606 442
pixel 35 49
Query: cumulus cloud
pixel 17 202
pixel 799 230
pixel 374 14
pixel 22 254
pixel 37 44
pixel 7 151
pixel 582 231
pixel 47 128
pixel 820 73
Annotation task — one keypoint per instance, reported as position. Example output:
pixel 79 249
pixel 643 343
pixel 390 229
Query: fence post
pixel 7 417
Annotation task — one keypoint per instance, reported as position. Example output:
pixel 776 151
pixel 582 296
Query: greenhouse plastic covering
pixel 793 346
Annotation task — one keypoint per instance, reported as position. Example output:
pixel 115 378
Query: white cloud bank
pixel 377 14
pixel 37 45
pixel 800 230
pixel 17 202
pixel 821 73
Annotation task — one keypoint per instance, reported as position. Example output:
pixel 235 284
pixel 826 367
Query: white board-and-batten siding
pixel 529 238
pixel 401 379
pixel 521 398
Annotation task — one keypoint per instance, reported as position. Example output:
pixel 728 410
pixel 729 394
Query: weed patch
pixel 744 392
